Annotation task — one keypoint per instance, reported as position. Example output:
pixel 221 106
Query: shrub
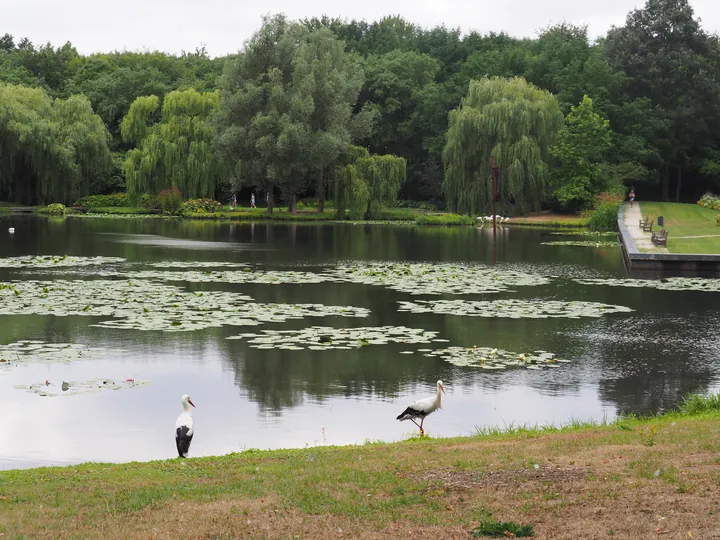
pixel 149 201
pixel 56 209
pixel 604 215
pixel 201 205
pixel 171 201
pixel 102 201
pixel 444 219
pixel 710 201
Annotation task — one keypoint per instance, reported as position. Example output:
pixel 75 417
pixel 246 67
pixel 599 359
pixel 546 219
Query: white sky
pixel 223 25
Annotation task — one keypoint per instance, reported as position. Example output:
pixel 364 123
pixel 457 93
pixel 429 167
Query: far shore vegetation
pixel 362 118
pixel 630 478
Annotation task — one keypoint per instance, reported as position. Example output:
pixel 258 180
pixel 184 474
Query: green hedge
pixel 95 201
pixel 444 220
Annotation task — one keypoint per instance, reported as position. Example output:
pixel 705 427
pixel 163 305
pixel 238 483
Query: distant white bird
pixel 11 230
pixel 184 427
pixel 422 407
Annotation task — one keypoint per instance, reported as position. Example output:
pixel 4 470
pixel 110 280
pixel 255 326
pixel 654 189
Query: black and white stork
pixel 184 427
pixel 422 407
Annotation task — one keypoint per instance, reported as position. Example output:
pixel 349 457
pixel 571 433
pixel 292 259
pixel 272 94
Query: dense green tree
pixel 112 90
pixel 671 61
pixel 516 123
pixel 287 109
pixel 333 80
pixel 581 150
pixel 50 149
pixel 174 145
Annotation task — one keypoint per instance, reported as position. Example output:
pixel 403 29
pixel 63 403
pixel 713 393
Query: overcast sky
pixel 223 25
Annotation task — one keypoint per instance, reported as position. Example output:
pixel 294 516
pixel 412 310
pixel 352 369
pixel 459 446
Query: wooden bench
pixel 660 239
pixel 643 222
pixel 648 226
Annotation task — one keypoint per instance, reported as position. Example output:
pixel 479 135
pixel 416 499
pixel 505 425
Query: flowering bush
pixel 171 200
pixel 56 209
pixel 710 201
pixel 201 206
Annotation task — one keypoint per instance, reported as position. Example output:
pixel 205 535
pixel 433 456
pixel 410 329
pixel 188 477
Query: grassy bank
pixel 548 219
pixel 692 228
pixel 632 478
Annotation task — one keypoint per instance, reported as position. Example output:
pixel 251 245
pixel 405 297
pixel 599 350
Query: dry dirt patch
pixel 512 478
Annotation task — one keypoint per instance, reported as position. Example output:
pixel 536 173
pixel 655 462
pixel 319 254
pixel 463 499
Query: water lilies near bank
pixel 513 309
pixel 74 388
pixel 665 284
pixel 581 243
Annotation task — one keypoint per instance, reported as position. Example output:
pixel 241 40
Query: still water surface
pixel 637 362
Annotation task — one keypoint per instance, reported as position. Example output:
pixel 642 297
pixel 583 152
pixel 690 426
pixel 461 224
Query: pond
pixel 294 335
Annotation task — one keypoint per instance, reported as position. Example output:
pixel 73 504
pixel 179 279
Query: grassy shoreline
pixel 632 478
pixel 415 216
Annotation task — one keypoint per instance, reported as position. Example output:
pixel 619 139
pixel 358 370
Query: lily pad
pixel 269 277
pixel 437 278
pixel 327 338
pixel 584 233
pixel 74 388
pixel 489 358
pixel 581 243
pixel 512 308
pixel 148 305
pixel 22 352
pixel 55 261
pixel 666 284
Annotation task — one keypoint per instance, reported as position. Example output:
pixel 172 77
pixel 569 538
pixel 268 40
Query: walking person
pixel 632 196
pixel 233 202
pixel 252 200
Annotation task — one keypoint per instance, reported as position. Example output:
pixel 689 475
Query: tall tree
pixel 364 183
pixel 516 123
pixel 670 60
pixel 251 116
pixel 581 149
pixel 333 80
pixel 287 108
pixel 175 151
pixel 50 150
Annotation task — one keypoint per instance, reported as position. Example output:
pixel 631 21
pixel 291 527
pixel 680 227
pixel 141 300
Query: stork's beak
pixel 442 388
pixel 191 403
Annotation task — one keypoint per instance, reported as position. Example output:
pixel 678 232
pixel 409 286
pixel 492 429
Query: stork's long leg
pixel 422 432
pixel 414 422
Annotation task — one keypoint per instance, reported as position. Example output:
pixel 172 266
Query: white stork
pixel 422 407
pixel 184 427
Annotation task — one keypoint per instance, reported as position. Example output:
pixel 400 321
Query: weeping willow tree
pixel 50 150
pixel 173 145
pixel 512 120
pixel 365 183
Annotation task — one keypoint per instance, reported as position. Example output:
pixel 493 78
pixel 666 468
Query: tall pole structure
pixel 495 173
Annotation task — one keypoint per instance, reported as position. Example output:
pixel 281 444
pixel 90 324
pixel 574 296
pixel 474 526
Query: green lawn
pixel 692 228
pixel 630 478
